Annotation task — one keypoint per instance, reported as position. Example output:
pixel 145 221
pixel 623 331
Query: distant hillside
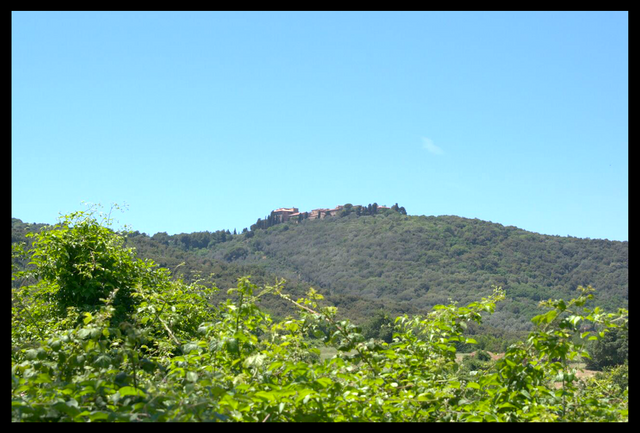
pixel 365 262
pixel 410 263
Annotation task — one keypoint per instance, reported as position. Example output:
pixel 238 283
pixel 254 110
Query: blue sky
pixel 209 120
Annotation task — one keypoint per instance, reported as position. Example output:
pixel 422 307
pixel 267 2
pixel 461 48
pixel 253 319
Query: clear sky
pixel 209 120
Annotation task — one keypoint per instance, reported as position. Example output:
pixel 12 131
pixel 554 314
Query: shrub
pixel 85 262
pixel 610 350
pixel 481 355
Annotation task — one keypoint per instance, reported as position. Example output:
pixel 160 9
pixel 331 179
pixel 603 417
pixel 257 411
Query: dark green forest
pixel 410 263
pixel 369 261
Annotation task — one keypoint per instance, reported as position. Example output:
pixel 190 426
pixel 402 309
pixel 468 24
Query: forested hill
pixel 399 263
pixel 410 263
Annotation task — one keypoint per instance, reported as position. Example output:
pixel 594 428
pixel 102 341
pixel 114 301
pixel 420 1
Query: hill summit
pixel 360 256
pixel 285 214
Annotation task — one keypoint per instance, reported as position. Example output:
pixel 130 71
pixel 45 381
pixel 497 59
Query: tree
pixel 161 237
pixel 610 350
pixel 379 326
pixel 346 210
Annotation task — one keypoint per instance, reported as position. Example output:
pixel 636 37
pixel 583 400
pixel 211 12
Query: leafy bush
pixel 481 355
pixel 83 263
pixel 481 360
pixel 609 351
pixel 379 326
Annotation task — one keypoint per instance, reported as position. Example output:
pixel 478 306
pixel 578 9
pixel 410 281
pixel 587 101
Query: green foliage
pixel 177 357
pixel 83 263
pixel 480 360
pixel 400 264
pixel 609 351
pixel 379 326
pixel 481 355
pixel 407 264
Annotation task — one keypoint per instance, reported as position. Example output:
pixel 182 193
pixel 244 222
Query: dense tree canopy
pixel 410 263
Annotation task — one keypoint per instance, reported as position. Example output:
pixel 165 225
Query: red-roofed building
pixel 286 212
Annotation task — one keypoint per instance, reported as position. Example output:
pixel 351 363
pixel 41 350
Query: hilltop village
pixel 285 214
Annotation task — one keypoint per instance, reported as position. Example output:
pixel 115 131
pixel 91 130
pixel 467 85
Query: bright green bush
pixel 83 261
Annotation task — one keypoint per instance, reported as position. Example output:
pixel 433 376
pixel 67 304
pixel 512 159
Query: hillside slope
pixel 398 263
pixel 410 263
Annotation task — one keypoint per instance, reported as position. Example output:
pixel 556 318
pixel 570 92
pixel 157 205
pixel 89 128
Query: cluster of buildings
pixel 286 213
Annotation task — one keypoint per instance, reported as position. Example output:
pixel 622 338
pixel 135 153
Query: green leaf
pixel 254 360
pixel 190 347
pixel 97 416
pixel 507 406
pixel 191 376
pixel 545 318
pixel 275 365
pixel 574 320
pixel 305 395
pixel 324 382
pixel 424 397
pixel 31 354
pixel 84 333
pixel 473 385
pixel 43 378
pixel 232 345
pixel 266 396
pixel 70 407
pixel 130 390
